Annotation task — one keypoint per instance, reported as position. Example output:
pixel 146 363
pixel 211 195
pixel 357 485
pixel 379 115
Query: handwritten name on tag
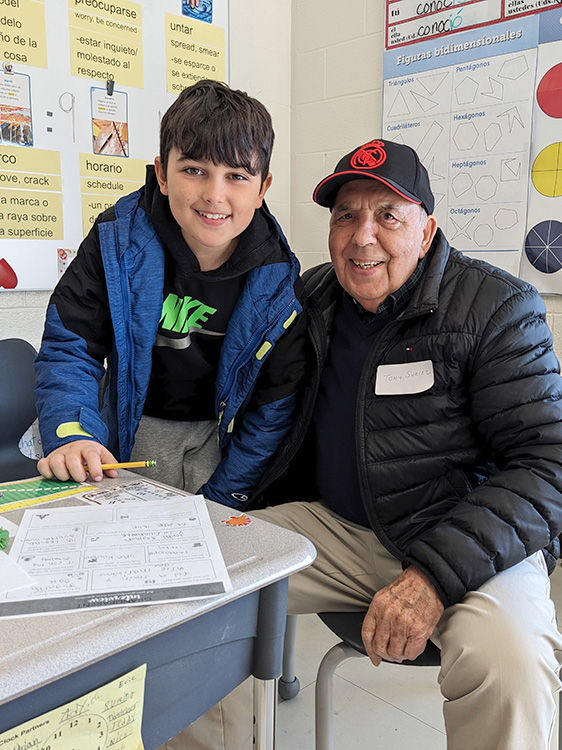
pixel 409 377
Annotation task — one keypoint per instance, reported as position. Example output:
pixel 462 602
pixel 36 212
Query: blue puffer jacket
pixel 68 376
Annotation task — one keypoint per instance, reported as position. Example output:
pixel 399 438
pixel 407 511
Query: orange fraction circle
pixel 549 92
pixel 547 171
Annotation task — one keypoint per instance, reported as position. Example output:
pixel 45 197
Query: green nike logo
pixel 179 314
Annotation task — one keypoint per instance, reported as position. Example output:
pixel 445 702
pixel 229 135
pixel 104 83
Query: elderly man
pixel 428 453
pixel 425 460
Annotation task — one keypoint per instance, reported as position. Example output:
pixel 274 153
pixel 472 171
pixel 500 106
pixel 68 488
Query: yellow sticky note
pixel 110 716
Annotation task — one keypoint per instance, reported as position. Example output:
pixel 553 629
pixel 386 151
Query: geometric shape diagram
pixel 399 106
pixel 543 246
pixel 513 116
pixel 510 169
pixel 506 218
pixel 461 183
pixel 547 171
pixel 514 68
pixel 432 172
pixel 549 92
pixel 432 82
pixel 465 136
pixel 486 187
pixel 492 136
pixel 496 89
pixel 424 103
pixel 462 230
pixel 466 90
pixel 483 235
pixel 429 139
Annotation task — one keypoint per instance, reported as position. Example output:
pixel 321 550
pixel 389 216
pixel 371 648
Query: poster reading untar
pixel 469 101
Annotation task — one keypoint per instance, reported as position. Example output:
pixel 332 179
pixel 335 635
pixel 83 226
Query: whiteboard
pixel 83 87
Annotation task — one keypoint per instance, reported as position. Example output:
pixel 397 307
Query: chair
pixel 347 626
pixel 17 407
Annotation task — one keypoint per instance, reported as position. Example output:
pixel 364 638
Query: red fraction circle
pixel 549 92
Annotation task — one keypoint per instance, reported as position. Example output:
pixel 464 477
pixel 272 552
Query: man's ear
pixel 161 176
pixel 266 184
pixel 428 234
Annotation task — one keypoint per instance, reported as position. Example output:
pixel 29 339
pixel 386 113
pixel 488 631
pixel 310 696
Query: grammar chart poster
pixel 476 89
pixel 83 87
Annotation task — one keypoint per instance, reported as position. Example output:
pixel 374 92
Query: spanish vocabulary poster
pixel 83 87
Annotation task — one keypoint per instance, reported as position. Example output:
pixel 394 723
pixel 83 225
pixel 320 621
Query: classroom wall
pixel 260 54
pixel 317 65
pixel 336 93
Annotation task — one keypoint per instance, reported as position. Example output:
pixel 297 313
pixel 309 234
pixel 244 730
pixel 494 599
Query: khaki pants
pixel 500 647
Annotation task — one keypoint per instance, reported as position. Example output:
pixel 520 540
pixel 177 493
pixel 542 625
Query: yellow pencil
pixel 129 465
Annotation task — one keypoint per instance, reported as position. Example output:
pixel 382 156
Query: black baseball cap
pixel 395 165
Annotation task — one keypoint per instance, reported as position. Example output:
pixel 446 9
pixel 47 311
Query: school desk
pixel 196 651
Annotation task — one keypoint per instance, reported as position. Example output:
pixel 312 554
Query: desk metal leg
pixel 265 712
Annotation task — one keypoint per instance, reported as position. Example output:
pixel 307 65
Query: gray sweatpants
pixel 186 453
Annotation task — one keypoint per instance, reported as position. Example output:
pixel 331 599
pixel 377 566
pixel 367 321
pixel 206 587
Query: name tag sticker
pixel 410 377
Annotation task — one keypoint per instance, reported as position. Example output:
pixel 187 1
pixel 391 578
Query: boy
pixel 189 292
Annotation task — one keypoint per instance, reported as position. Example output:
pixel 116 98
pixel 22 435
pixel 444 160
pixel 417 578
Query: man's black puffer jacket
pixel 462 480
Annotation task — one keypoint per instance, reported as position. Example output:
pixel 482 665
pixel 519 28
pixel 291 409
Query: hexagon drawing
pixel 465 136
pixel 492 135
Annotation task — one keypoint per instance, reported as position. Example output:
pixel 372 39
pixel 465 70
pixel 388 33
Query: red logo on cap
pixel 369 156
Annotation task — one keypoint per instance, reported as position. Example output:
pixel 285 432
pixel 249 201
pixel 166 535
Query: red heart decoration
pixel 8 278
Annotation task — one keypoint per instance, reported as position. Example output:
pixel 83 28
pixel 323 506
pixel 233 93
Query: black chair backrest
pixel 17 407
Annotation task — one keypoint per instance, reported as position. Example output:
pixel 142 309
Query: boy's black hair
pixel 211 121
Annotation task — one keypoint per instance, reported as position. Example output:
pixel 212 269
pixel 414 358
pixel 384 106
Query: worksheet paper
pixel 90 557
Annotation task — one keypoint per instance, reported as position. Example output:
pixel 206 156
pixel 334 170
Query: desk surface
pixel 38 650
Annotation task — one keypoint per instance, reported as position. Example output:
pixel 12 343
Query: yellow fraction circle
pixel 547 171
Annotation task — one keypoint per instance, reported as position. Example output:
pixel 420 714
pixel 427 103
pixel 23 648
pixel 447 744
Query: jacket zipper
pixel 243 358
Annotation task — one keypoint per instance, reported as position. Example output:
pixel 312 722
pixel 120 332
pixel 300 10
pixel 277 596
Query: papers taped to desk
pixel 116 555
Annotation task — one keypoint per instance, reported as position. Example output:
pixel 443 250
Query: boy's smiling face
pixel 213 204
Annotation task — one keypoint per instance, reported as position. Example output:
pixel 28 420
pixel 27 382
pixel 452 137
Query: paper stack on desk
pixel 130 553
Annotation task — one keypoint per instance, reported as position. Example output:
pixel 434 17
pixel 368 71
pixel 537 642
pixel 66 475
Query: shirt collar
pixel 396 301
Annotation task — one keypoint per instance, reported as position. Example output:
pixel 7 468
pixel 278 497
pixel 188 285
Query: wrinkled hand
pixel 193 3
pixel 401 618
pixel 75 460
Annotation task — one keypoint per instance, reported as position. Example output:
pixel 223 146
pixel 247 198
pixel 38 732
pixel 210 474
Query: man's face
pixel 213 204
pixel 376 240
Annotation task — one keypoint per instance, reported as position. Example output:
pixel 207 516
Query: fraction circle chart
pixel 547 171
pixel 549 92
pixel 543 246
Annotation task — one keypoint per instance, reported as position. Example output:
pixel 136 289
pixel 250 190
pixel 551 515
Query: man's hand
pixel 70 462
pixel 401 618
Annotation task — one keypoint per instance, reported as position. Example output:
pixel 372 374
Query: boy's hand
pixel 75 460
